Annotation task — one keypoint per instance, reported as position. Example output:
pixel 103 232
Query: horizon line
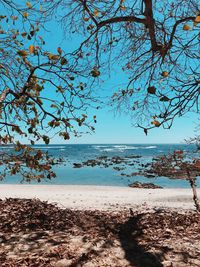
pixel 112 144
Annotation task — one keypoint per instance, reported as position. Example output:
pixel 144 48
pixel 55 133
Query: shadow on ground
pixel 38 234
pixel 136 254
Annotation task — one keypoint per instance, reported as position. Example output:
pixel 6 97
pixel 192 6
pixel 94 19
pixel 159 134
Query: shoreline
pixel 104 198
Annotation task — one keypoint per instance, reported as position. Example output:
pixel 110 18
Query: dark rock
pixel 133 157
pixel 91 163
pixel 77 165
pixel 150 175
pixel 144 185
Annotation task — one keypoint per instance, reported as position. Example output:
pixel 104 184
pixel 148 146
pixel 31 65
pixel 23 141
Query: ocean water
pixel 66 174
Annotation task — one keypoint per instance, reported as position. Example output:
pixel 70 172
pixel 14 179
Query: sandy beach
pixel 84 197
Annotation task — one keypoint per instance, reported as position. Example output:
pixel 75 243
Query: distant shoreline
pixel 88 197
pixel 59 144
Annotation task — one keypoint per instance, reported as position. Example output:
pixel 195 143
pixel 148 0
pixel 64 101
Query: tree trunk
pixel 150 23
pixel 194 191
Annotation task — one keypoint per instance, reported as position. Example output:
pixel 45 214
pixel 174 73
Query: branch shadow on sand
pixel 127 234
pixel 136 254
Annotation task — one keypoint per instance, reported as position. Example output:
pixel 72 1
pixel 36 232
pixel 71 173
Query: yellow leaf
pixel 86 19
pixel 22 53
pixel 186 27
pixel 24 34
pixel 25 15
pixel 156 123
pixel 96 13
pixel 123 8
pixel 50 56
pixel 28 4
pixel 31 49
pixel 197 19
pixel 53 57
pixel 40 8
pixel 165 74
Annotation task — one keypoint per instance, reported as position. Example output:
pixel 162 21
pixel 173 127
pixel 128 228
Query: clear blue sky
pixel 118 129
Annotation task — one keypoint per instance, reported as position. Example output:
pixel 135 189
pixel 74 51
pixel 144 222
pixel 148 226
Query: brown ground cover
pixel 37 234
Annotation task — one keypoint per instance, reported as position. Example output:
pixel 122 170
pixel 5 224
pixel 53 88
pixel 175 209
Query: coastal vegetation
pixel 155 44
pixel 176 165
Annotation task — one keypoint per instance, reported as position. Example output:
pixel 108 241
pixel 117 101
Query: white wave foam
pixel 108 149
pixel 118 148
pixel 114 147
pixel 121 148
pixel 126 147
pixel 150 147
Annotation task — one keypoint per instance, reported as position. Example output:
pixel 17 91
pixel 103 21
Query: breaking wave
pixel 120 148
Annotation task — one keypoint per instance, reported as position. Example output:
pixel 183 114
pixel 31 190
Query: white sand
pixel 101 197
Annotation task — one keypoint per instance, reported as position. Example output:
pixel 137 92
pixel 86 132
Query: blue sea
pixel 67 174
